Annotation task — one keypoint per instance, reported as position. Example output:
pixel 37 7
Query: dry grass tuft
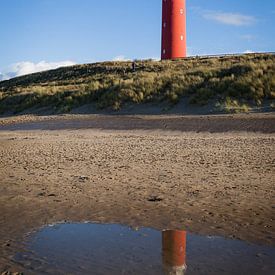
pixel 234 83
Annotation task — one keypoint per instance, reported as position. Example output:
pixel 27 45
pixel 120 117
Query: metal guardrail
pixel 228 55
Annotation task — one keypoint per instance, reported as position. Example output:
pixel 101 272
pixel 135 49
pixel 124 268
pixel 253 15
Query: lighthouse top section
pixel 173 29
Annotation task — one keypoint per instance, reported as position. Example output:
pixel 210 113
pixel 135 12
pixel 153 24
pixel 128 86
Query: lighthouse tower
pixel 173 29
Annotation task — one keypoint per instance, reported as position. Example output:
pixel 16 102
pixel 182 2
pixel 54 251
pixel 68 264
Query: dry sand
pixel 57 169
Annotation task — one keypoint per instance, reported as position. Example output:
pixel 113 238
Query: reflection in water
pixel 174 251
pixel 87 248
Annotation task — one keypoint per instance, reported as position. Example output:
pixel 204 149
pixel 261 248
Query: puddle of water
pixel 114 249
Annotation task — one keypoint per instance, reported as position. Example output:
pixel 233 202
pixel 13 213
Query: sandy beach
pixel 206 174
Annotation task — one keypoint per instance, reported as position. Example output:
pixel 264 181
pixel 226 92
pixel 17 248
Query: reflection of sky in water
pixel 114 249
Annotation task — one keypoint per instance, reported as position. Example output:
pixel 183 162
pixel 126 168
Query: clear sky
pixel 80 31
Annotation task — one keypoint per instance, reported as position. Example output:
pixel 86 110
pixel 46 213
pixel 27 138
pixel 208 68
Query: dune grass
pixel 233 83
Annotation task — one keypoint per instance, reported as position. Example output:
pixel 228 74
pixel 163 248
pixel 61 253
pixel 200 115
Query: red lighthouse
pixel 173 29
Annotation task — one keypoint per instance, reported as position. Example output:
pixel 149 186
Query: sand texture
pixel 219 183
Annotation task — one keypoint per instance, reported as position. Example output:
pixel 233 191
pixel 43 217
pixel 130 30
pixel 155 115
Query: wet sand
pixel 208 175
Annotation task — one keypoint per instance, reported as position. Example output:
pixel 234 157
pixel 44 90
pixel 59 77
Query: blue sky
pixel 42 34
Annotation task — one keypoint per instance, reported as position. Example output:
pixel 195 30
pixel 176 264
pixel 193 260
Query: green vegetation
pixel 231 83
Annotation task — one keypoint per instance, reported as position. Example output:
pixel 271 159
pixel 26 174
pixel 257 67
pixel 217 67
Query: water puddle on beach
pixel 74 248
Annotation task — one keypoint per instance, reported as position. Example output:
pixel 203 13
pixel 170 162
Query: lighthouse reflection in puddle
pixel 174 252
pixel 90 248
